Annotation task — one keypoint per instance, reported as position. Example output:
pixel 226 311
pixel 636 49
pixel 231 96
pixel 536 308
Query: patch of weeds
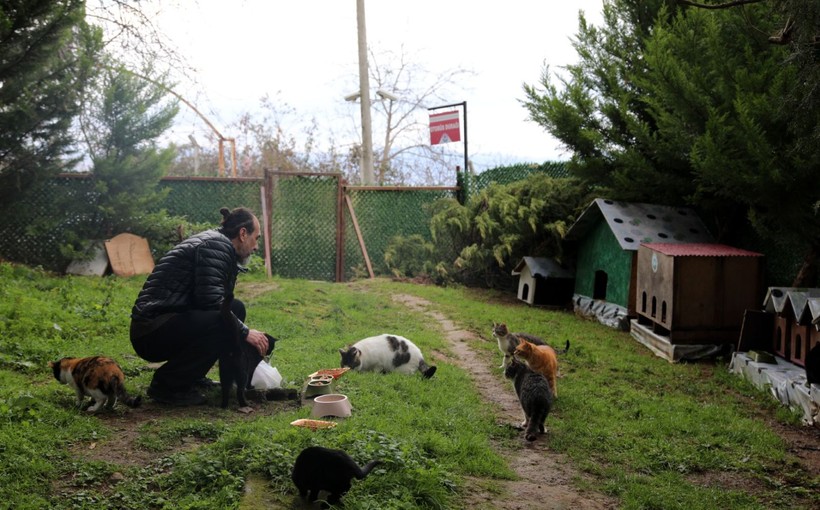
pixel 162 435
pixel 84 474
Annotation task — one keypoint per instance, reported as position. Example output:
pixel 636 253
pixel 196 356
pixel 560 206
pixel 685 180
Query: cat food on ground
pixel 333 372
pixel 313 424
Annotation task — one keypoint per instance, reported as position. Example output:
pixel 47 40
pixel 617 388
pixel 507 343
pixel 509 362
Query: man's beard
pixel 245 261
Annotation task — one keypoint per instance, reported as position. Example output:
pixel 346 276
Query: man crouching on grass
pixel 176 316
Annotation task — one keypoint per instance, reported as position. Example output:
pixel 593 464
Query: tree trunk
pixel 807 276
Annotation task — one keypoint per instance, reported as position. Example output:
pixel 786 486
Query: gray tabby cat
pixel 534 394
pixel 507 342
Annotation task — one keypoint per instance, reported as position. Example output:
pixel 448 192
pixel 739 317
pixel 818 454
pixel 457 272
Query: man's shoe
pixel 190 397
pixel 205 383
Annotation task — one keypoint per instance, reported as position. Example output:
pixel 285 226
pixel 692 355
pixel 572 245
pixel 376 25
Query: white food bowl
pixel 334 404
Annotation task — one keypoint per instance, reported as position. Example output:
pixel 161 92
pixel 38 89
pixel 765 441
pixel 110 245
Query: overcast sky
pixel 304 53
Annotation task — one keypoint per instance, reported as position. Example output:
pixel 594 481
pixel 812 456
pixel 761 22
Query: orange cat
pixel 540 359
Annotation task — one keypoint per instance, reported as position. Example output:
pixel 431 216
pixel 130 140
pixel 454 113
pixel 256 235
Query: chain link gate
pixel 322 229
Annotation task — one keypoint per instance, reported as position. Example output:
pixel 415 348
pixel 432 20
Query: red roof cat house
pixel 690 294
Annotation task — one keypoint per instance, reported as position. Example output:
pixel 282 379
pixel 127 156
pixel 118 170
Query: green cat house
pixel 605 240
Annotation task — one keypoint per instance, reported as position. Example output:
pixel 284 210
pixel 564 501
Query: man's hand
pixel 258 340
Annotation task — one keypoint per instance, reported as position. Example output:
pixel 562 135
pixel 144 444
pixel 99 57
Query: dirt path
pixel 546 478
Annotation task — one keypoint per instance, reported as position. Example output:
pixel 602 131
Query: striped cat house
pixel 796 320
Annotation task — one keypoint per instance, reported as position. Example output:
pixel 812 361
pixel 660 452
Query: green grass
pixel 650 434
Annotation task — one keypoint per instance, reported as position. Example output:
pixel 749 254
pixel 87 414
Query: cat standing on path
pixel 507 341
pixel 541 359
pixel 534 394
pixel 98 377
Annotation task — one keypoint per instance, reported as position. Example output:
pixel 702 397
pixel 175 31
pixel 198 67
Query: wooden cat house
pixel 697 293
pixel 544 282
pixel 605 240
pixel 796 320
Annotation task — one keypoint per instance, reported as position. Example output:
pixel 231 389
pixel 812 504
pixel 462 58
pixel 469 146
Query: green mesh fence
pixel 303 226
pixel 199 199
pixel 513 173
pixel 383 214
pixel 34 226
pixel 303 218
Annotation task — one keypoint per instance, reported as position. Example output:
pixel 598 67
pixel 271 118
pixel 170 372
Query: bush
pixel 479 242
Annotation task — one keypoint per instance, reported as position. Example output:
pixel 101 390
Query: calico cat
pixel 534 394
pixel 507 341
pixel 98 377
pixel 813 365
pixel 386 353
pixel 238 359
pixel 541 359
pixel 322 469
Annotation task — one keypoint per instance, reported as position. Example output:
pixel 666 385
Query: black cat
pixel 238 359
pixel 813 365
pixel 534 394
pixel 322 469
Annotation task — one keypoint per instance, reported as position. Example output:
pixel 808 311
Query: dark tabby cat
pixel 238 359
pixel 507 342
pixel 98 377
pixel 813 365
pixel 534 394
pixel 322 469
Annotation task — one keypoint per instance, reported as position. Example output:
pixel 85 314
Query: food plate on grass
pixel 314 424
pixel 334 372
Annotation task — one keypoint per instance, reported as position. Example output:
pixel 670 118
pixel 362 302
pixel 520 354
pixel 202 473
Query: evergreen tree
pixel 685 106
pixel 123 121
pixel 45 59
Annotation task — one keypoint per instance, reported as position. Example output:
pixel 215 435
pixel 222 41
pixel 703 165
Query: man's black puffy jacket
pixel 194 275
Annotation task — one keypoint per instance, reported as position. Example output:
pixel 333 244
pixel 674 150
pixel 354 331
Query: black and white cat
pixel 534 394
pixel 322 469
pixel 386 353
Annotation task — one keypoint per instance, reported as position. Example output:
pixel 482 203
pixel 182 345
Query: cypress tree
pixel 45 60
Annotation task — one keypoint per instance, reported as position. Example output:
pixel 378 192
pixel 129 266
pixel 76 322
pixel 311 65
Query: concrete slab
pixel 785 381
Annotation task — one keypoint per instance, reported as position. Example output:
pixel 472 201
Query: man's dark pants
pixel 188 342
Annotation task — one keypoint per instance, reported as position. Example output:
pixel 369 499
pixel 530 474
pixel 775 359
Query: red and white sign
pixel 444 128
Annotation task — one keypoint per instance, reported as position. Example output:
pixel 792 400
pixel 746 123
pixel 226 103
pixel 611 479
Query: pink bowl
pixel 334 404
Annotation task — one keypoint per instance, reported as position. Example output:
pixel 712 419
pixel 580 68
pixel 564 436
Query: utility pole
pixel 364 95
